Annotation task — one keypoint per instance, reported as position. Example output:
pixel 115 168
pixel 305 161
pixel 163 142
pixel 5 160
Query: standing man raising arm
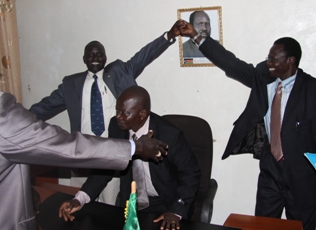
pixel 286 180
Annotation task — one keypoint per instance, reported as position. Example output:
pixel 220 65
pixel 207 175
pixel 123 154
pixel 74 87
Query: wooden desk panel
pixel 98 216
pixel 261 223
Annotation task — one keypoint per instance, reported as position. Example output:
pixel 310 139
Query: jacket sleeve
pixel 51 105
pixel 147 54
pixel 96 182
pixel 185 162
pixel 25 140
pixel 228 62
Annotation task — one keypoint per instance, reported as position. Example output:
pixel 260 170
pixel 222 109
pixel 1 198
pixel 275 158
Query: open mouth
pixel 271 69
pixel 95 63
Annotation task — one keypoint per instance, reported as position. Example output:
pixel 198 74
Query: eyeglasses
pixel 272 59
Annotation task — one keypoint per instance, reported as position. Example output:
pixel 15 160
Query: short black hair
pixel 93 43
pixel 291 47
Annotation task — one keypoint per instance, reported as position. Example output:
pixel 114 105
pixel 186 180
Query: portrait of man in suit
pixel 202 24
pixel 207 21
pixel 167 188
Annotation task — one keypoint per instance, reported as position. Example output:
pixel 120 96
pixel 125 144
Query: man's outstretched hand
pixel 67 208
pixel 150 148
pixel 170 221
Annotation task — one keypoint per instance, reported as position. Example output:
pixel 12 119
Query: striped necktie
pixel 275 124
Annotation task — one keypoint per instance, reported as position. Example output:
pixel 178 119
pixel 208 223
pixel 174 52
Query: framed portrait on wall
pixel 208 22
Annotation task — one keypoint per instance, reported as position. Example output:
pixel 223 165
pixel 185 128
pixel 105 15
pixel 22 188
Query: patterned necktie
pixel 275 124
pixel 96 110
pixel 139 177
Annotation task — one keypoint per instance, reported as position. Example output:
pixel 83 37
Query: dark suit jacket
pixel 117 75
pixel 298 134
pixel 176 177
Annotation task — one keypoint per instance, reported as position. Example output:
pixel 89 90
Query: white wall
pixel 53 34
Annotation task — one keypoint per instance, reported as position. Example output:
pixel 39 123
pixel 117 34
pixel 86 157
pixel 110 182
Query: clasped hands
pixel 183 28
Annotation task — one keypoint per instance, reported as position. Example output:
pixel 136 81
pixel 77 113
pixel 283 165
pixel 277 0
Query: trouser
pixel 156 205
pixel 274 193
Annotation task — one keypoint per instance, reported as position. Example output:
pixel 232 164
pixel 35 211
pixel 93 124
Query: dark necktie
pixel 139 177
pixel 275 124
pixel 96 110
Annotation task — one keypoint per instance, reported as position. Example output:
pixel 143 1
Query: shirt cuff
pixel 133 147
pixel 82 197
pixel 201 42
pixel 178 216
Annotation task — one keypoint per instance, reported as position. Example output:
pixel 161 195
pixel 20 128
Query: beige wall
pixel 53 34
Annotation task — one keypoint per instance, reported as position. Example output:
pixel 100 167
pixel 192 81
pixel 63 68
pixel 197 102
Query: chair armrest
pixel 207 207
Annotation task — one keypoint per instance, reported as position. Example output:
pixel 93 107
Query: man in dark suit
pixel 289 180
pixel 171 185
pixel 74 93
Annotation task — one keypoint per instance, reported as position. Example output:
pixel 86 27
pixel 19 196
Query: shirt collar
pixel 288 81
pixel 142 130
pixel 99 74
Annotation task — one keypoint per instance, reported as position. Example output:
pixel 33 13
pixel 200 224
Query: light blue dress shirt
pixel 287 86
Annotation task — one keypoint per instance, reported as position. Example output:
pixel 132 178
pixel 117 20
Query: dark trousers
pixel 274 193
pixel 155 206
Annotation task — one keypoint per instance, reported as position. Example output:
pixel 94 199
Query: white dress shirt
pixel 108 103
pixel 149 185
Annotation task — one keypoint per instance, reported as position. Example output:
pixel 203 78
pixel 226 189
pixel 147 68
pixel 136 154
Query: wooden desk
pixel 102 216
pixel 246 222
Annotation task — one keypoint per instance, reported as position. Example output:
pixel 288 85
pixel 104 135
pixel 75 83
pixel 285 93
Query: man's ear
pixel 84 61
pixel 143 114
pixel 292 60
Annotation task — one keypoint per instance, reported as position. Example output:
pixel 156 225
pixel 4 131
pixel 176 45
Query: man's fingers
pixel 159 219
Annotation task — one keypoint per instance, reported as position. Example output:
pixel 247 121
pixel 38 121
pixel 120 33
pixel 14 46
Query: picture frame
pixel 189 54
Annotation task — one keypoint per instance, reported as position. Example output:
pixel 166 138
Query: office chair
pixel 198 134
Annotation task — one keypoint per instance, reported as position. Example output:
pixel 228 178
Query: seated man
pixel 170 185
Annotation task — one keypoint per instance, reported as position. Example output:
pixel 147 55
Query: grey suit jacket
pixel 117 75
pixel 24 140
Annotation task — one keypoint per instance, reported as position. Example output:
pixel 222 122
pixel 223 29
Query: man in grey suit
pixel 25 140
pixel 74 93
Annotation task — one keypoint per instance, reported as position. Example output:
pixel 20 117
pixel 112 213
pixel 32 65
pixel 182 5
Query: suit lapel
pixel 78 84
pixel 108 79
pixel 294 97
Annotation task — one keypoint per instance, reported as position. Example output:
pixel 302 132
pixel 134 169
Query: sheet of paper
pixel 312 158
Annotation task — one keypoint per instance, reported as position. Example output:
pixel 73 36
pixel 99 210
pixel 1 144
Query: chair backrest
pixel 198 134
